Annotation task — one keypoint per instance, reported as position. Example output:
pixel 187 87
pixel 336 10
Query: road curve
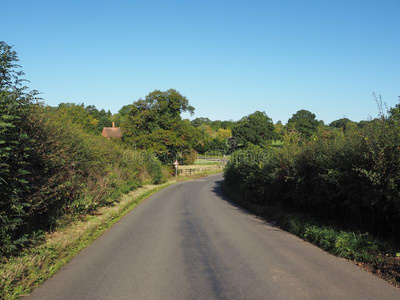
pixel 190 242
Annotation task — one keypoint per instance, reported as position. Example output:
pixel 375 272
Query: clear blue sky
pixel 230 58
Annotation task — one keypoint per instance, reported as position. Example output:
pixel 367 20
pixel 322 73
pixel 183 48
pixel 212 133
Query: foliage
pixel 279 130
pixel 153 167
pixel 159 110
pixel 256 128
pixel 103 117
pixel 200 121
pixel 394 112
pixel 343 123
pixel 16 151
pixel 304 122
pixel 89 118
pixel 351 177
pixel 155 123
pixel 77 114
pixel 122 115
pixel 214 125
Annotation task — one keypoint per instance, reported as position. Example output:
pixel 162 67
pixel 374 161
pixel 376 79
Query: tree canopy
pixel 256 128
pixel 155 122
pixel 343 123
pixel 200 121
pixel 304 122
pixel 394 112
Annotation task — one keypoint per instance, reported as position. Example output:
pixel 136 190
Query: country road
pixel 190 242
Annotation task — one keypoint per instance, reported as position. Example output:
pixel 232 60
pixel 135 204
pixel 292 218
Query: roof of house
pixel 112 132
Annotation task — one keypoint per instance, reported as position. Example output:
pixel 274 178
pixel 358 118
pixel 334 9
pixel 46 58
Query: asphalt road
pixel 190 242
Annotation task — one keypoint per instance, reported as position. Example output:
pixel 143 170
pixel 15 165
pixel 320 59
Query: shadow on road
pixel 217 190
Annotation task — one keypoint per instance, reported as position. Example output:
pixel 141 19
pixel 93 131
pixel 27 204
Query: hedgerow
pixel 352 177
pixel 60 171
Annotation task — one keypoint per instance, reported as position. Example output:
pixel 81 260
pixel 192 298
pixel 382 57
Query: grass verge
pixel 204 162
pixel 198 175
pixel 20 274
pixel 366 251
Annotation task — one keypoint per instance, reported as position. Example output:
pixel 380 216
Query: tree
pixel 14 110
pixel 343 123
pixel 394 112
pixel 122 115
pixel 77 114
pixel 223 134
pixel 279 129
pixel 18 157
pixel 200 121
pixel 256 128
pixel 155 123
pixel 159 110
pixel 227 124
pixel 215 125
pixel 304 122
pixel 10 75
pixel 103 117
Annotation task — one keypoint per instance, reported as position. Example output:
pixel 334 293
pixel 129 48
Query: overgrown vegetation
pixel 351 176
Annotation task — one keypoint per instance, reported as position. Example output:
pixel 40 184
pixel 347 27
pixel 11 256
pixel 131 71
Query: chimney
pixel 113 124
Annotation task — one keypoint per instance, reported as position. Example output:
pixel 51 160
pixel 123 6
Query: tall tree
pixel 343 123
pixel 159 110
pixel 256 128
pixel 155 122
pixel 200 121
pixel 304 122
pixel 77 114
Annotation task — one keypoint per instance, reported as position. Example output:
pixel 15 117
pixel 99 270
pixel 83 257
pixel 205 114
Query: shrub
pixel 352 177
pixel 67 172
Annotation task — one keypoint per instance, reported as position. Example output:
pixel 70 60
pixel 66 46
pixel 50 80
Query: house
pixel 112 132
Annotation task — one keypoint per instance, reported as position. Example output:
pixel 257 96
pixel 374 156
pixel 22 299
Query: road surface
pixel 190 242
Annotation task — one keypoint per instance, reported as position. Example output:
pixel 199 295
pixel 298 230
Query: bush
pixel 351 177
pixel 17 157
pixel 66 172
pixel 154 168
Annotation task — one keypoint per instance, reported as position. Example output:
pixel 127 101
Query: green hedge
pixel 351 177
pixel 52 171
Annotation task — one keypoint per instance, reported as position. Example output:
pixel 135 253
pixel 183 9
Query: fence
pixel 192 171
